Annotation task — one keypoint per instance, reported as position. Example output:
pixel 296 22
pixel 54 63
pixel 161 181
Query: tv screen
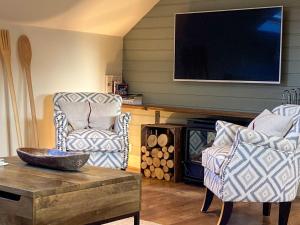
pixel 242 45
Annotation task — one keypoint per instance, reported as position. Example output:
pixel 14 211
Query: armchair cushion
pixel 214 157
pixel 225 133
pixel 103 115
pixel 272 124
pixel 93 140
pixel 77 113
pixel 257 138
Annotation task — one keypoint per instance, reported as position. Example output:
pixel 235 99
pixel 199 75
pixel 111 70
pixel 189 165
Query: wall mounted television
pixel 239 45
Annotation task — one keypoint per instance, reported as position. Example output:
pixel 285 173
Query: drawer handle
pixel 10 196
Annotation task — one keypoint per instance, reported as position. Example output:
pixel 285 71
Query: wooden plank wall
pixel 148 66
pixel 148 60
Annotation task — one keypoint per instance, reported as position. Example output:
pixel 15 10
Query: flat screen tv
pixel 240 45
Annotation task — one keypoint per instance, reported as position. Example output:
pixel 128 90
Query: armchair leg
pixel 284 212
pixel 225 213
pixel 207 200
pixel 267 208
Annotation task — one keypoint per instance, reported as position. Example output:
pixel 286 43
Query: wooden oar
pixel 6 57
pixel 25 55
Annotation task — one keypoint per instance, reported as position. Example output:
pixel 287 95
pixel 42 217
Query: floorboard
pixel 168 203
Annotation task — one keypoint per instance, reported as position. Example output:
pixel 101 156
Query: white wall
pixel 61 61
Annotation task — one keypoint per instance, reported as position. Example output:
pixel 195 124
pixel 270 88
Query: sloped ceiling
pixel 109 17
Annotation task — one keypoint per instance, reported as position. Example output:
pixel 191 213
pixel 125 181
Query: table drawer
pixel 16 205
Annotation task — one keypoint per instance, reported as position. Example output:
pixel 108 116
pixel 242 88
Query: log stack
pixel 161 150
pixel 157 160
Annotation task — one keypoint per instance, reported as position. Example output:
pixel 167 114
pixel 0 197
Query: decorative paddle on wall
pixel 25 55
pixel 6 58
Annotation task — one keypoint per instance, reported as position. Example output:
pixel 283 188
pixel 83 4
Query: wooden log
pixel 144 165
pixel 143 149
pixel 144 158
pixel 152 140
pixel 171 149
pixel 160 154
pixel 165 169
pixel 163 162
pixel 153 175
pixel 167 176
pixel 151 168
pixel 154 152
pixel 159 173
pixel 166 155
pixel 147 153
pixel 164 149
pixel 156 162
pixel 147 173
pixel 149 161
pixel 170 163
pixel 162 140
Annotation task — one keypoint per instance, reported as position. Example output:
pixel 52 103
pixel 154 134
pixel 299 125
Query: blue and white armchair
pixel 247 166
pixel 107 148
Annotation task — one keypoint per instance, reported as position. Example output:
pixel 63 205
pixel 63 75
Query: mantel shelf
pixel 203 112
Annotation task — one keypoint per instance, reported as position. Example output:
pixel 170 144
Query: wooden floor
pixel 179 204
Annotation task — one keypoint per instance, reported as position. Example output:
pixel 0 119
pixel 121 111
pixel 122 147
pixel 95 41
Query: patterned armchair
pixel 106 148
pixel 254 168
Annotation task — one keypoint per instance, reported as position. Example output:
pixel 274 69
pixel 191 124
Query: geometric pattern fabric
pixel 92 140
pixel 259 174
pixel 257 138
pixel 225 133
pixel 103 145
pixel 258 168
pixel 294 111
pixel 107 159
pixel 213 182
pixel 214 157
pixel 90 97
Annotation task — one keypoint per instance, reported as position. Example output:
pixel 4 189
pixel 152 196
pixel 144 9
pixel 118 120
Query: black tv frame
pixel 233 81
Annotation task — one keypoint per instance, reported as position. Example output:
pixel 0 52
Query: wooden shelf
pixel 202 112
pixel 125 106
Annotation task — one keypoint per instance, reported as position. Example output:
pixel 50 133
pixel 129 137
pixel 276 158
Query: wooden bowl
pixel 53 158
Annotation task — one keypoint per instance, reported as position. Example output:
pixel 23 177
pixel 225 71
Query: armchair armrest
pixel 257 138
pixel 121 124
pixel 61 129
pixel 121 128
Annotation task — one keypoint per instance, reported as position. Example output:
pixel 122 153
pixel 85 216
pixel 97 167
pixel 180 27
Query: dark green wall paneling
pixel 148 60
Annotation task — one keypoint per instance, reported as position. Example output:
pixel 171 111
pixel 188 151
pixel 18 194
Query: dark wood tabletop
pixel 20 178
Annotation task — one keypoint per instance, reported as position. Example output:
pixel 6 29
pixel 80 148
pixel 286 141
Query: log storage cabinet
pixel 161 151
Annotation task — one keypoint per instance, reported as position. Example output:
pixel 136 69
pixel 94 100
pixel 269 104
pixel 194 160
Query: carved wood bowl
pixel 53 158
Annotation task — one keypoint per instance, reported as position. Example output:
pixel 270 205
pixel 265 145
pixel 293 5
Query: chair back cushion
pixel 91 97
pixel 272 124
pixel 294 111
pixel 77 114
pixel 103 115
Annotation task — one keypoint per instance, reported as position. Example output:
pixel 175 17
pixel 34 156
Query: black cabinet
pixel 200 134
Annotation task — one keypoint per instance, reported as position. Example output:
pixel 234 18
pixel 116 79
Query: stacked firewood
pixel 157 159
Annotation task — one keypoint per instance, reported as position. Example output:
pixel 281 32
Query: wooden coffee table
pixel 32 195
